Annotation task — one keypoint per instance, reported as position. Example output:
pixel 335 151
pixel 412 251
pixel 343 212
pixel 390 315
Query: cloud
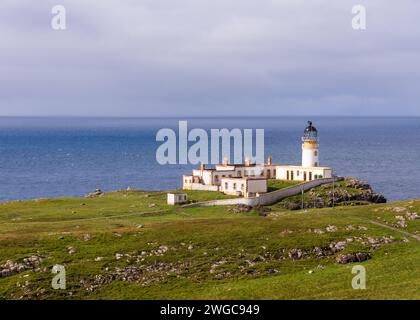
pixel 209 57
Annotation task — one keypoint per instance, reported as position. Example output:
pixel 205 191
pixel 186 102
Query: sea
pixel 70 156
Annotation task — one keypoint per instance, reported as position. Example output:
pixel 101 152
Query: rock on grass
pixel 353 257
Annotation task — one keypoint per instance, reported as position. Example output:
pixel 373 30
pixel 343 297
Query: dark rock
pixel 96 193
pixel 11 268
pixel 295 254
pixel 240 208
pixel 353 257
pixel 358 184
pixel 291 205
pixel 261 210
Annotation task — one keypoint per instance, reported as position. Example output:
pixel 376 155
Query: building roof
pixel 244 178
pixel 310 132
pixel 301 167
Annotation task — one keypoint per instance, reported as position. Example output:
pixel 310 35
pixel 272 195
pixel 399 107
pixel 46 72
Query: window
pixel 234 186
pixel 297 173
pixel 216 178
pixel 262 173
pixel 316 153
pixel 186 181
pixel 239 173
pixel 242 187
pixel 230 176
pixel 316 164
pixel 226 185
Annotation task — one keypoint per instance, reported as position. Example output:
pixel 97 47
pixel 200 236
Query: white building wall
pixel 187 182
pixel 233 186
pixel 328 173
pixel 207 177
pixel 245 187
pixel 257 186
pixel 177 198
pixel 204 187
pixel 298 173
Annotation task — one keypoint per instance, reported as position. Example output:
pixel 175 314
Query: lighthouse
pixel 310 147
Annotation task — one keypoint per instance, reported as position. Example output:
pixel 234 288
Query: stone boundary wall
pixel 266 198
pixel 203 187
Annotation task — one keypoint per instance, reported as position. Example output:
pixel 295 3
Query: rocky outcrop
pixel 353 257
pixel 351 192
pixel 11 267
pixel 241 208
pixel 96 193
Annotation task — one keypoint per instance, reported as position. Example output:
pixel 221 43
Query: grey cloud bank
pixel 209 57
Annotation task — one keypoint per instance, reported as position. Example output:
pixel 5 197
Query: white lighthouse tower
pixel 310 147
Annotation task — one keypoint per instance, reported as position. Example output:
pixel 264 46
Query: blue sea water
pixel 56 157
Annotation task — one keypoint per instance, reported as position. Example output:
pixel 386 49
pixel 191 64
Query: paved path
pixel 396 229
pixel 90 219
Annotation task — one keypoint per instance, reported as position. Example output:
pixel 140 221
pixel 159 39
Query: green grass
pixel 211 253
pixel 274 184
pixel 323 196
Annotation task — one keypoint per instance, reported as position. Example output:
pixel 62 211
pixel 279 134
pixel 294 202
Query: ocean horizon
pixel 42 157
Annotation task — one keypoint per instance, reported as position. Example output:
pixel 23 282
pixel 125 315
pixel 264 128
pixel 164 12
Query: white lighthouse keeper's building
pixel 249 179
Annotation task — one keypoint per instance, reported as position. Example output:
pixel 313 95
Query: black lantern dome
pixel 310 132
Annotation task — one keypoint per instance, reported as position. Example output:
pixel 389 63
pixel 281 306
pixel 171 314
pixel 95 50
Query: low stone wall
pixel 276 196
pixel 223 202
pixel 203 187
pixel 266 198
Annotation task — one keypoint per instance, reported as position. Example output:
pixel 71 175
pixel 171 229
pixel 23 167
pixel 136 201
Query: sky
pixel 209 58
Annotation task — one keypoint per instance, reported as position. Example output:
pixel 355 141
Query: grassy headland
pixel 132 245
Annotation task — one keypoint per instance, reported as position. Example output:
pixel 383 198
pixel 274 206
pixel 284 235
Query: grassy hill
pixel 349 192
pixel 131 245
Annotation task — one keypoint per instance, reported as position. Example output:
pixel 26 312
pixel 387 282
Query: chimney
pixel 247 162
pixel 269 161
pixel 202 167
pixel 225 161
